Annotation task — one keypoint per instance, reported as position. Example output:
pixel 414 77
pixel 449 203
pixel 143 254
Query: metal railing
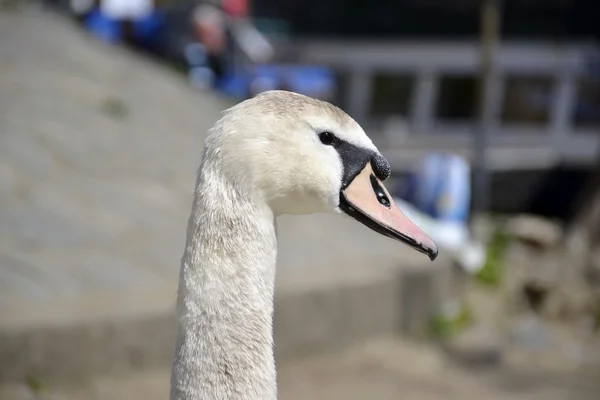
pixel 429 62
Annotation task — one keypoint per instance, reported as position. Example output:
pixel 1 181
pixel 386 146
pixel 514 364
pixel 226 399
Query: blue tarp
pixel 312 81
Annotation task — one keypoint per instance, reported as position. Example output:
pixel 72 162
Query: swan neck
pixel 224 346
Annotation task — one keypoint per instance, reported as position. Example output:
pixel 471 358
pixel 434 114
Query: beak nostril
pixel 381 196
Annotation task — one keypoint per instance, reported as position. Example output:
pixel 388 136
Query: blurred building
pixel 418 61
pixel 408 71
pixel 433 19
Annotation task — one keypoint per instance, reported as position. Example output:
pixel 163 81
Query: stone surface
pixel 477 346
pixel 532 275
pixel 71 341
pixel 548 282
pixel 592 272
pixel 382 369
pixel 535 230
pixel 482 227
pixel 531 332
pixel 570 302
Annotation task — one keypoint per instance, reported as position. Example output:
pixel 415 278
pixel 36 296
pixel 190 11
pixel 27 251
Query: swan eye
pixel 327 138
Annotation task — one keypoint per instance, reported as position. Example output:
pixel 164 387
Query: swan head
pixel 302 156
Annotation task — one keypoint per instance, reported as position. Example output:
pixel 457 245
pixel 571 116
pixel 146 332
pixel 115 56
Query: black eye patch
pixel 355 158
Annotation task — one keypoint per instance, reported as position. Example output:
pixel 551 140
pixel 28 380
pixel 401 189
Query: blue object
pixel 195 54
pixel 146 31
pixel 234 84
pixel 107 29
pixel 454 197
pixel 311 81
pixel 441 187
pixel 201 77
pixel 265 77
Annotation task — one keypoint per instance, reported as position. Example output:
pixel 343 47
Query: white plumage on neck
pixel 224 347
pixel 278 153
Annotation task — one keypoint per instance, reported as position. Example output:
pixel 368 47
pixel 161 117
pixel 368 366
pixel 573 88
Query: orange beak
pixel 368 201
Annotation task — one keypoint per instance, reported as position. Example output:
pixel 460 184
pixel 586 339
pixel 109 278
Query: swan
pixel 276 153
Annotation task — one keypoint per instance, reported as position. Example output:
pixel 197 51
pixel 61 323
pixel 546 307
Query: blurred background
pixel 488 112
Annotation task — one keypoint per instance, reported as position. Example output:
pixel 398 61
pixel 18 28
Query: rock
pixel 482 227
pixel 532 275
pixel 592 271
pixel 476 346
pixel 536 294
pixel 569 301
pixel 535 230
pixel 530 332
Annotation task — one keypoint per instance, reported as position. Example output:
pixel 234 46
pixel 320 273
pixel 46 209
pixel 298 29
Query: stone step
pixel 316 310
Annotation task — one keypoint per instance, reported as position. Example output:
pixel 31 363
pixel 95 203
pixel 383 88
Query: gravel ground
pixel 380 369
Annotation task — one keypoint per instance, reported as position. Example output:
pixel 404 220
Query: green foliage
pixel 35 384
pixel 491 273
pixel 443 325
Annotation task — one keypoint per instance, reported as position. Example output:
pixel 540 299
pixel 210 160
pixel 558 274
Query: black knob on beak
pixel 381 167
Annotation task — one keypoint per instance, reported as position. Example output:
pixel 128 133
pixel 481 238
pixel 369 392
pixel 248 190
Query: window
pixel 586 110
pixel 391 95
pixel 528 100
pixel 457 98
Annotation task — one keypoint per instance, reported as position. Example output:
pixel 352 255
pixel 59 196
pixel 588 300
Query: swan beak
pixel 368 201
